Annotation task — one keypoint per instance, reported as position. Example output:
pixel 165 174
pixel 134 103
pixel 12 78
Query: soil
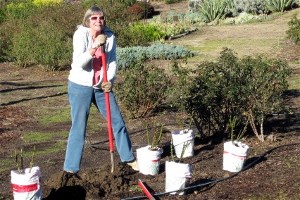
pixel 271 169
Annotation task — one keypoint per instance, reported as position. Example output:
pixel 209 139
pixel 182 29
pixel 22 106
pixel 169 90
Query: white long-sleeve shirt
pixel 82 68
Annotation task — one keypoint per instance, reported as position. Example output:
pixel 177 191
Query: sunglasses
pixel 97 18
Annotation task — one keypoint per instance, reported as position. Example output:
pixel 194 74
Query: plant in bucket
pixel 178 174
pixel 26 183
pixel 235 152
pixel 183 139
pixel 148 157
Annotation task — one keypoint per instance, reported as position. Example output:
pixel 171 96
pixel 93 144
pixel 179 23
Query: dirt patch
pixel 272 167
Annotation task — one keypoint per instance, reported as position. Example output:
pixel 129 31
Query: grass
pixel 6 164
pixel 209 50
pixel 54 115
pixel 40 137
pixel 294 83
pixel 95 121
pixel 9 162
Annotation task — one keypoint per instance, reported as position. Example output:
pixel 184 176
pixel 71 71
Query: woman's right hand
pixel 99 40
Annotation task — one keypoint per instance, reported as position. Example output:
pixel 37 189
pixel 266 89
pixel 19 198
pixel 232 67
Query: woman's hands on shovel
pixel 106 86
pixel 99 40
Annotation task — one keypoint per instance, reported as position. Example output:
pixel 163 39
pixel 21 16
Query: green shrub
pixel 22 47
pixel 267 81
pixel 142 89
pixel 249 6
pixel 146 89
pixel 5 40
pixel 47 45
pixel 193 17
pixel 180 82
pixel 248 88
pixel 130 55
pixel 172 1
pixel 142 10
pixel 245 18
pixel 46 2
pixel 45 38
pixel 175 23
pixel 294 29
pixel 20 9
pixel 146 33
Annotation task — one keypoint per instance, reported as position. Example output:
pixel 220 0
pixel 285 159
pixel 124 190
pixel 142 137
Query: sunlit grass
pixel 35 137
pixel 6 164
pixel 49 116
pixel 209 50
pixel 294 83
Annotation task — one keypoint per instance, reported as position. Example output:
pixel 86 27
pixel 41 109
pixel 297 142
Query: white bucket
pixel 183 141
pixel 26 186
pixel 234 156
pixel 148 160
pixel 177 175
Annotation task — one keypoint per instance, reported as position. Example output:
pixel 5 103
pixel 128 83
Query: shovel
pixel 145 190
pixel 108 114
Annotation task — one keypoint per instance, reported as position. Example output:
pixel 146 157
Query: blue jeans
pixel 80 98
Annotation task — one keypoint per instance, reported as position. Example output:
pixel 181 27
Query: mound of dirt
pixel 92 184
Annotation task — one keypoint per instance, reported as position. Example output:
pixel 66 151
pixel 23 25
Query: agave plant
pixel 279 5
pixel 212 10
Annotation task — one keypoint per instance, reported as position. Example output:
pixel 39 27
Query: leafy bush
pixel 249 6
pixel 20 10
pixel 294 29
pixel 172 1
pixel 180 82
pixel 141 9
pixel 248 88
pixel 47 45
pixel 146 33
pixel 46 2
pixel 193 17
pixel 153 31
pixel 172 23
pixel 244 18
pixel 194 5
pixel 130 55
pixel 40 39
pixel 143 89
pixel 267 81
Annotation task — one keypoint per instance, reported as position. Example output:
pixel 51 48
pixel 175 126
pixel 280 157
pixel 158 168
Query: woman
pixel 85 86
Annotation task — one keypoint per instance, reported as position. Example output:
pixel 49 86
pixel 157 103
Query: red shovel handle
pixel 145 190
pixel 107 101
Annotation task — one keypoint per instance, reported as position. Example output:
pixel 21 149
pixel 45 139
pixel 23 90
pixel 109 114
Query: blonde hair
pixel 91 11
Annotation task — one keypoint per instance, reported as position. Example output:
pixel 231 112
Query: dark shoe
pixel 66 176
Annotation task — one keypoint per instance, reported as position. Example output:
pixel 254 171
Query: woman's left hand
pixel 106 87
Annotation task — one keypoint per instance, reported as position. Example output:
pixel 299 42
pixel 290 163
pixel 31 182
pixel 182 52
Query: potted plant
pixel 26 183
pixel 183 141
pixel 178 174
pixel 235 151
pixel 148 157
